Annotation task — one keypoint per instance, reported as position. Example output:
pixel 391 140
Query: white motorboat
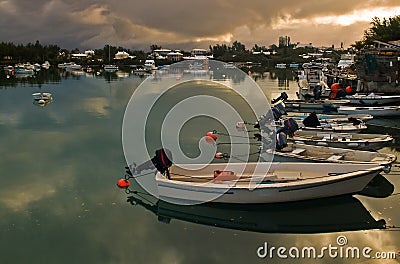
pixel 150 65
pixel 262 182
pixel 342 140
pixel 69 66
pixel 312 80
pixel 375 111
pixel 296 152
pixel 46 65
pixel 22 70
pixel 373 99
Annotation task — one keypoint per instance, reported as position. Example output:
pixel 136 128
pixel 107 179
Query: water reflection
pixel 316 216
pixel 55 76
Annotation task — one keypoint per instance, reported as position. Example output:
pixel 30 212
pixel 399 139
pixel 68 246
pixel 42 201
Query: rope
pixel 127 176
pixel 128 191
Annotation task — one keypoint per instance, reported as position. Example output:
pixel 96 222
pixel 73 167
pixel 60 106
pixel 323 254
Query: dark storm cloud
pixel 91 24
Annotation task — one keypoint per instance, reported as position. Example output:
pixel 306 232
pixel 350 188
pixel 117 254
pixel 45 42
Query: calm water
pixel 59 202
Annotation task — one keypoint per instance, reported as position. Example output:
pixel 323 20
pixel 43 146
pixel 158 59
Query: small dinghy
pixel 373 99
pixel 332 118
pixel 343 140
pixel 251 183
pixel 376 111
pixel 312 122
pixel 294 152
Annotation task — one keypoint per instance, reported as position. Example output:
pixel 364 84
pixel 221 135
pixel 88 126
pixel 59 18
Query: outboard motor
pixel 278 111
pixel 355 121
pixel 282 97
pixel 161 161
pixel 317 91
pixel 311 120
pixel 281 140
pixel 289 127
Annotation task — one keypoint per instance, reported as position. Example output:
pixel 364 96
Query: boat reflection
pixel 344 213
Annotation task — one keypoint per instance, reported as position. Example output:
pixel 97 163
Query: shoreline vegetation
pixel 258 58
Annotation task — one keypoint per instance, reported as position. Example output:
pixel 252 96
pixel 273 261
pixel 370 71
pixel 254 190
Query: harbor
pixel 150 134
pixel 70 183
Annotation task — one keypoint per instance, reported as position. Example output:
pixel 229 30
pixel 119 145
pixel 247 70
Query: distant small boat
pixel 295 152
pixel 279 182
pixel 22 70
pixel 372 110
pixel 150 65
pixel 110 67
pixel 326 105
pixel 373 99
pixel 69 66
pixel 41 96
pixel 46 65
pixel 342 140
pixel 312 79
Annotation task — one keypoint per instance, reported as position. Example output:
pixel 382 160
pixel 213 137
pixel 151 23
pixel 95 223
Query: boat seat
pixel 298 151
pixel 335 157
pixel 378 159
pixel 288 175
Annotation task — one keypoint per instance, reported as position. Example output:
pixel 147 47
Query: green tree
pixel 386 29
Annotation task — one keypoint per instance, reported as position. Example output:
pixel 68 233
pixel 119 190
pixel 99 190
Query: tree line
pixel 386 29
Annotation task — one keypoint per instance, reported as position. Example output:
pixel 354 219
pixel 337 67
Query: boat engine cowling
pixel 162 160
pixel 281 140
pixel 311 120
pixel 317 91
pixel 282 97
pixel 278 111
pixel 289 127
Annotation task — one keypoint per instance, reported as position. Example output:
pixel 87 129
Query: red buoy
pixel 123 183
pixel 335 87
pixel 349 90
pixel 211 135
pixel 219 155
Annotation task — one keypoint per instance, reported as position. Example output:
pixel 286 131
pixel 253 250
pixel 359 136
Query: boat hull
pixel 268 192
pixel 377 111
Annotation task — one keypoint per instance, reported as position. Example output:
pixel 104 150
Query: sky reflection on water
pixel 59 202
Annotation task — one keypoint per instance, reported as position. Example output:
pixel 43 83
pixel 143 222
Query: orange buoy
pixel 349 90
pixel 211 135
pixel 335 87
pixel 219 155
pixel 123 183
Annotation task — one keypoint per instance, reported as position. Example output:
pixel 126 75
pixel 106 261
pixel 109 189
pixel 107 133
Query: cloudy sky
pixel 185 24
